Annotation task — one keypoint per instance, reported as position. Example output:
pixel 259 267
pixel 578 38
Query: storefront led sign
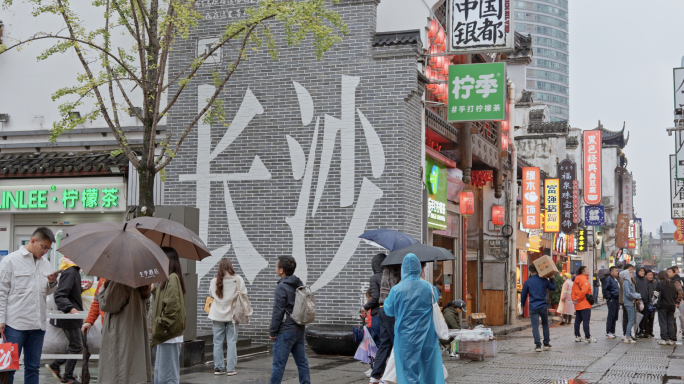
pixel 436 182
pixel 530 198
pixel 551 204
pixel 63 198
pixel 591 159
pixel 581 240
pixel 477 92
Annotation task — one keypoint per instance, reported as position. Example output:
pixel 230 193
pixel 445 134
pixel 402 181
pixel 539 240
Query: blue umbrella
pixel 388 239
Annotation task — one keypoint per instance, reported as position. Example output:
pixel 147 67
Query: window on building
pixel 556 66
pixel 541 74
pixel 545 86
pixel 551 10
pixel 551 43
pixel 520 4
pixel 548 31
pixel 551 54
pixel 550 21
pixel 541 96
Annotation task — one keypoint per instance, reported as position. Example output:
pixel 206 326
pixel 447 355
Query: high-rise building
pixel 548 76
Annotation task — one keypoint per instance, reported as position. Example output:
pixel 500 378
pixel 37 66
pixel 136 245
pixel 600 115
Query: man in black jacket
pixel 611 292
pixel 287 335
pixel 373 304
pixel 68 300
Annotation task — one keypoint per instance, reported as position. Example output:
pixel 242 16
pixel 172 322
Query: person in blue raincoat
pixel 417 356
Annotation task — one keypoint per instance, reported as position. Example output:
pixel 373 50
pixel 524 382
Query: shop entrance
pixel 444 272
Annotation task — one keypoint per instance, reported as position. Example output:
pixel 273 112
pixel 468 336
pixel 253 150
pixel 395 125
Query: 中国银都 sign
pixel 436 181
pixel 63 197
pixel 477 92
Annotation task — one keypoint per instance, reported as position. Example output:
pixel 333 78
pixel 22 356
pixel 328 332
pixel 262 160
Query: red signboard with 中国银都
pixel 591 159
pixel 530 198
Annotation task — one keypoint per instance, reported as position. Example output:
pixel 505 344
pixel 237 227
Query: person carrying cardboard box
pixel 536 288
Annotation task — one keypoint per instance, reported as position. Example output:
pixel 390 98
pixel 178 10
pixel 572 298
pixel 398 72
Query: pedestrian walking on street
pixel 373 304
pixel 536 288
pixel 669 296
pixel 25 281
pixel 625 316
pixel 390 277
pixel 611 292
pixel 580 289
pixel 68 300
pixel 287 335
pixel 94 313
pixel 630 295
pixel 169 322
pixel 417 354
pixel 125 352
pixel 566 298
pixel 645 286
pixel 596 284
pixel 224 288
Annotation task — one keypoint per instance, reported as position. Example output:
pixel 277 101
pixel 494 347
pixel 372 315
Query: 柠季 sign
pixel 591 158
pixel 479 26
pixel 569 208
pixel 623 231
pixel 594 215
pixel 552 222
pixel 477 92
pixel 436 181
pixel 530 197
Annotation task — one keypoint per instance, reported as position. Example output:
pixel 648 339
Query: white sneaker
pixel 578 339
pixel 589 340
pixel 632 341
pixel 662 342
pixel 610 336
pixel 626 340
pixel 368 372
pixel 670 342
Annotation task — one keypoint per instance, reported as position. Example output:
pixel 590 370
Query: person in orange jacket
pixel 580 289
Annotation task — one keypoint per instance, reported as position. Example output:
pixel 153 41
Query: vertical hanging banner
pixel 627 193
pixel 530 198
pixel 676 191
pixel 569 208
pixel 632 235
pixel 623 231
pixel 479 26
pixel 581 240
pixel 591 160
pixel 552 222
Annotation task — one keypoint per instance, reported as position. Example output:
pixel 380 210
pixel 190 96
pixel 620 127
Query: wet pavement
pixel 607 361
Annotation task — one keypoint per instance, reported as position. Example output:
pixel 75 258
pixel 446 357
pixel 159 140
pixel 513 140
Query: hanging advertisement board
pixel 594 215
pixel 530 198
pixel 591 160
pixel 477 92
pixel 436 181
pixel 676 192
pixel 627 193
pixel 622 231
pixel 479 26
pixel 552 219
pixel 569 208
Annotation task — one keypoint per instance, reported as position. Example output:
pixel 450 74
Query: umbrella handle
pixel 162 239
pixel 125 225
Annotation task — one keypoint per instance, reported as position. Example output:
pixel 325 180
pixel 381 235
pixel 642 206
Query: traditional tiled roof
pixel 397 38
pixel 614 137
pixel 571 142
pixel 58 164
pixel 526 97
pixel 561 127
pixel 536 115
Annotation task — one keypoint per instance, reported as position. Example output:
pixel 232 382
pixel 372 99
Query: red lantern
pixel 498 214
pixel 466 203
pixel 434 27
pixel 504 141
pixel 439 39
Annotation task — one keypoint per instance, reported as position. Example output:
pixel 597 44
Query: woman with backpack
pixel 224 288
pixel 169 322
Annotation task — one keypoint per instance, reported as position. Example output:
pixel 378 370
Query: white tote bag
pixel 390 374
pixel 440 324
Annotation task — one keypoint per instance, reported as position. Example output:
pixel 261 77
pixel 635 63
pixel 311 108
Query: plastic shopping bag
pixel 561 308
pixel 9 355
pixel 367 349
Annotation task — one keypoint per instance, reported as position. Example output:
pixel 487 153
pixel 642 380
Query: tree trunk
pixel 145 191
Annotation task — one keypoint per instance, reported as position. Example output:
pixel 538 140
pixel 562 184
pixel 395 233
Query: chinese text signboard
pixel 569 207
pixel 676 191
pixel 631 241
pixel 479 26
pixel 552 222
pixel 530 187
pixel 594 215
pixel 62 198
pixel 436 181
pixel 477 92
pixel 678 77
pixel 581 240
pixel 627 194
pixel 591 158
pixel 623 231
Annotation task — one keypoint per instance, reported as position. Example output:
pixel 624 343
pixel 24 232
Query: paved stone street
pixel 607 361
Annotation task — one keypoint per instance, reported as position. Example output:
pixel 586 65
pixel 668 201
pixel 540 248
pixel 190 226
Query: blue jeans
pixel 375 329
pixel 225 330
pixel 285 343
pixel 630 322
pixel 595 294
pixel 534 317
pixel 167 364
pixel 31 342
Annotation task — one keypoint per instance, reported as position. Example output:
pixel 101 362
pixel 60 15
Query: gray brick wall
pixel 389 95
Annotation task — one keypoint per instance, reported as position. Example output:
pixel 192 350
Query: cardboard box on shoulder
pixel 545 266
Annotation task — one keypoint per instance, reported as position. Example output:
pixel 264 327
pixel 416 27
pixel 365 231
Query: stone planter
pixel 331 339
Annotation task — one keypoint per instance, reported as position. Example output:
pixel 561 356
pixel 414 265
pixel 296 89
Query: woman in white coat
pixel 566 298
pixel 223 288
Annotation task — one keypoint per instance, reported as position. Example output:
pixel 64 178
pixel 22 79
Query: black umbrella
pixel 425 253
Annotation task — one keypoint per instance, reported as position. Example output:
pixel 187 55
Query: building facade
pixel 548 76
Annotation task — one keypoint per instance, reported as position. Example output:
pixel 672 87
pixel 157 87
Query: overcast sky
pixel 621 59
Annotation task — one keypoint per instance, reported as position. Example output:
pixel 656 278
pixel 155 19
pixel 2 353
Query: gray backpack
pixel 304 311
pixel 242 308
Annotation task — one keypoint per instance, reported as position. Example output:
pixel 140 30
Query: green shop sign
pixel 62 198
pixel 477 92
pixel 436 182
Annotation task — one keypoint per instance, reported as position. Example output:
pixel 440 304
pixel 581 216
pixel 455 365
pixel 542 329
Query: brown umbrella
pixel 168 233
pixel 115 252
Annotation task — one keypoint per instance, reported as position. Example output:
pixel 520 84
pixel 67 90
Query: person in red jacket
pixel 94 311
pixel 580 288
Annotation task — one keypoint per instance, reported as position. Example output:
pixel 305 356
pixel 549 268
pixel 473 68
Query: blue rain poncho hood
pixel 417 354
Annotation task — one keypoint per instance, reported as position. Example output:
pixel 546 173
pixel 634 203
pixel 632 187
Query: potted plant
pixel 554 297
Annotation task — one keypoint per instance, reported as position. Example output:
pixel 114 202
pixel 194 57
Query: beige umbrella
pixel 115 252
pixel 168 233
